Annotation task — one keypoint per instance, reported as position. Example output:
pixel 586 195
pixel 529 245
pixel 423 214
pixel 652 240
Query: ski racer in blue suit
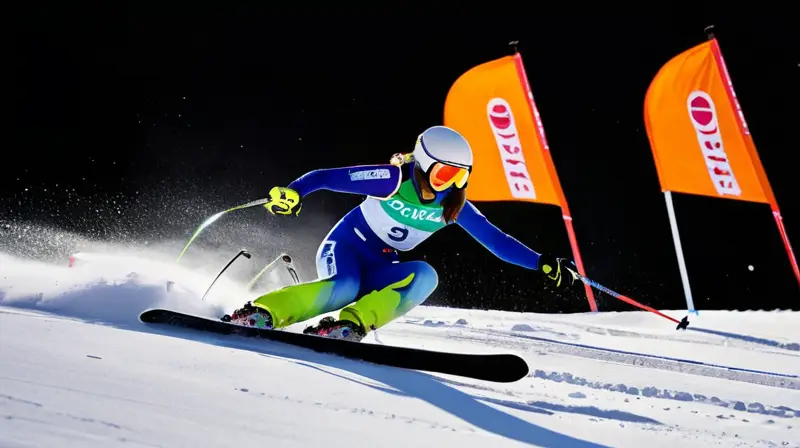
pixel 359 272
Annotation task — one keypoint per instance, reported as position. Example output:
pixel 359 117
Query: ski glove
pixel 557 269
pixel 283 201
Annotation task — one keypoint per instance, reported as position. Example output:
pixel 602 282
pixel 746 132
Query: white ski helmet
pixel 444 156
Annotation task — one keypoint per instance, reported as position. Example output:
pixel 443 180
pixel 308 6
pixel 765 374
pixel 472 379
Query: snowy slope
pixel 77 369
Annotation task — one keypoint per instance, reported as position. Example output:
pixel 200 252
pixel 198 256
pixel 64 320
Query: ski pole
pixel 241 252
pixel 215 217
pixel 682 324
pixel 287 260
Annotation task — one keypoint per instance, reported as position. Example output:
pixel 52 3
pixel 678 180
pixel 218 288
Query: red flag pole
pixel 573 241
pixel 751 148
pixel 779 221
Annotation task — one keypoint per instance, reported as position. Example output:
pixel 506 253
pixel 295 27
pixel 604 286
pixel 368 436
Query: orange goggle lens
pixel 444 176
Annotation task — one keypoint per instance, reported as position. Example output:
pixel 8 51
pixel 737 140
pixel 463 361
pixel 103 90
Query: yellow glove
pixel 283 201
pixel 557 269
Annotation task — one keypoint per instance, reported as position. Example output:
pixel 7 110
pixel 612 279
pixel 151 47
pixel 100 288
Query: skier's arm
pixel 504 246
pixel 380 181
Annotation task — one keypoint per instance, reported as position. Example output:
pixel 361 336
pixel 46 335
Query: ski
pixel 501 368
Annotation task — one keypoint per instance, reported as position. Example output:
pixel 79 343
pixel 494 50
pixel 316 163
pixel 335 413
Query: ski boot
pixel 249 316
pixel 337 329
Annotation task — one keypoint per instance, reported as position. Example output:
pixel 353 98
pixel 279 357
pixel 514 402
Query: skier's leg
pixel 337 286
pixel 393 290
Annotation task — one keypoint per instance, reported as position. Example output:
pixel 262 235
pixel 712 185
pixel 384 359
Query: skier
pixel 407 201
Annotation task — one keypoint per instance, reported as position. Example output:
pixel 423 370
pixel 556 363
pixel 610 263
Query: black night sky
pixel 135 124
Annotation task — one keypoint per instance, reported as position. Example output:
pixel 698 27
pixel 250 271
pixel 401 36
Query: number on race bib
pixel 398 234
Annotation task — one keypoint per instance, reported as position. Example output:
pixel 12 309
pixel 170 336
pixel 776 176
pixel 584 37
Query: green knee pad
pixel 295 303
pixel 377 308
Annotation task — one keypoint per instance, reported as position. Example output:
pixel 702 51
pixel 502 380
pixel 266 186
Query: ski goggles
pixel 442 176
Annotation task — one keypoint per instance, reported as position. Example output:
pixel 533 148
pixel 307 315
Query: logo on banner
pixel 703 115
pixel 505 133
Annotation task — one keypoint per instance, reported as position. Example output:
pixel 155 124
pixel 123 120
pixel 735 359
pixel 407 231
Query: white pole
pixel 676 238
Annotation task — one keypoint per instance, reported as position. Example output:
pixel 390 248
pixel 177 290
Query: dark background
pixel 134 124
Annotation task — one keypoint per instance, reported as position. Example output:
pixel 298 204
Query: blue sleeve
pixel 380 181
pixel 504 246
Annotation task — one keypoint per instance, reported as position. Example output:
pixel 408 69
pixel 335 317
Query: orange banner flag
pixel 489 105
pixel 492 106
pixel 697 132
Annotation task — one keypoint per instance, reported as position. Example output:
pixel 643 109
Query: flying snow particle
pixel 750 267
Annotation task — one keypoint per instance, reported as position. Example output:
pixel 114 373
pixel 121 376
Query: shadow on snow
pixel 431 389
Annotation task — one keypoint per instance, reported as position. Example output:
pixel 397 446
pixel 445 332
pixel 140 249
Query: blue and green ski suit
pixel 357 263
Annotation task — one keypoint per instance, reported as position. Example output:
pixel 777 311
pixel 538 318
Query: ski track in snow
pixel 78 369
pixel 645 361
pixel 774 379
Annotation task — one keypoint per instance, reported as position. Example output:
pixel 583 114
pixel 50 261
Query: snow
pixel 77 369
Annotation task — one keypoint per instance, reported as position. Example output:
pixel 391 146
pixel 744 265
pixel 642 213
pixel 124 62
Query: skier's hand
pixel 283 201
pixel 557 270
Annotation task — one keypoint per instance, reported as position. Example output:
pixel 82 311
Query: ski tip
pixel 154 315
pixel 524 369
pixel 515 368
pixel 683 324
